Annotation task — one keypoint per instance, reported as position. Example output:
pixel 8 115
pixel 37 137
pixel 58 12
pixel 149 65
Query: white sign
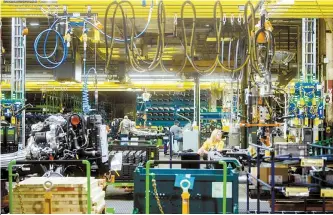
pixel 217 190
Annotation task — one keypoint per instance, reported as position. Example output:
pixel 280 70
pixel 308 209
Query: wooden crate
pixel 69 195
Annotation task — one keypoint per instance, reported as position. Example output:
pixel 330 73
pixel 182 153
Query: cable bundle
pixel 258 63
pixel 133 55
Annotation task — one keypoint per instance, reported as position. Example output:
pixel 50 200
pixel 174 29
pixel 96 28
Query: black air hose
pixel 76 143
pixel 93 153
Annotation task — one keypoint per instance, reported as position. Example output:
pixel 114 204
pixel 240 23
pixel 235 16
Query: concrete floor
pixel 123 202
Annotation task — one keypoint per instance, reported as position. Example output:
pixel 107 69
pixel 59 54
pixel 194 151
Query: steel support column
pixel 197 100
pixel 329 70
pixel 18 68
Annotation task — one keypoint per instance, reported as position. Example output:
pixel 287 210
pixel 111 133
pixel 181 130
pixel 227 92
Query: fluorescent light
pixel 217 80
pixel 145 82
pixel 207 25
pixel 163 80
pixel 34 24
pixel 213 39
pixel 150 75
pixel 285 2
pixel 155 81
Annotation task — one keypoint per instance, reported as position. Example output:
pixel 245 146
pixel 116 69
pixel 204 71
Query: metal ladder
pixel 309 36
pixel 18 67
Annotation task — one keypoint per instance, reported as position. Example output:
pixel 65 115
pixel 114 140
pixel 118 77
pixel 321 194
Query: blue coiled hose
pixel 85 93
pixel 63 42
pixel 46 57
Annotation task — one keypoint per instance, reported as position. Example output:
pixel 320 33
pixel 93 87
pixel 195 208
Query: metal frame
pixel 309 44
pixel 259 181
pixel 18 68
pixel 272 186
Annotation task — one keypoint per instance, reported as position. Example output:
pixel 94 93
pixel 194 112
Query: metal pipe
pixel 10 175
pixel 171 142
pixel 197 106
pixel 329 73
pixel 261 147
pixel 12 71
pixel 197 100
pixel 273 181
pixel 258 179
pixel 248 184
pixel 322 147
pixel 147 196
pixel 88 185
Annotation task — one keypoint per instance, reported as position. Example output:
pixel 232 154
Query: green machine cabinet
pixel 212 190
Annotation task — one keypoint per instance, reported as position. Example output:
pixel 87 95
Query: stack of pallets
pixel 69 195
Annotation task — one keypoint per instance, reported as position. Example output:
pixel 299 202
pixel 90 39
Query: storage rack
pixel 164 108
pixel 133 155
pixel 321 161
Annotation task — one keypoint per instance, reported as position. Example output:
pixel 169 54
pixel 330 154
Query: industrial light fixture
pixel 150 75
pixel 34 24
pixel 217 78
pixel 228 80
pixel 207 25
pixel 154 81
pixel 285 1
pixel 241 7
pixel 157 79
pixel 213 39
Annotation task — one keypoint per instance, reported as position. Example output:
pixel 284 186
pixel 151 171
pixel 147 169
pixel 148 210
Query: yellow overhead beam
pixel 204 8
pixel 107 86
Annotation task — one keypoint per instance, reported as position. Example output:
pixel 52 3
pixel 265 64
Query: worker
pixel 214 143
pixel 125 127
pixel 176 131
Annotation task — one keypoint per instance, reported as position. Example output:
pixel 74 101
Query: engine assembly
pixel 69 137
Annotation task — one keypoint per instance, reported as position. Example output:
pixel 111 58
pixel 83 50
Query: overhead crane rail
pixel 276 9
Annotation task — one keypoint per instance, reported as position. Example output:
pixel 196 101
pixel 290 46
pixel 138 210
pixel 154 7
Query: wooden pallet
pixel 69 195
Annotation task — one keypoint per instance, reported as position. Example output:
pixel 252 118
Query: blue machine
pixel 307 101
pixel 10 106
pixel 205 191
